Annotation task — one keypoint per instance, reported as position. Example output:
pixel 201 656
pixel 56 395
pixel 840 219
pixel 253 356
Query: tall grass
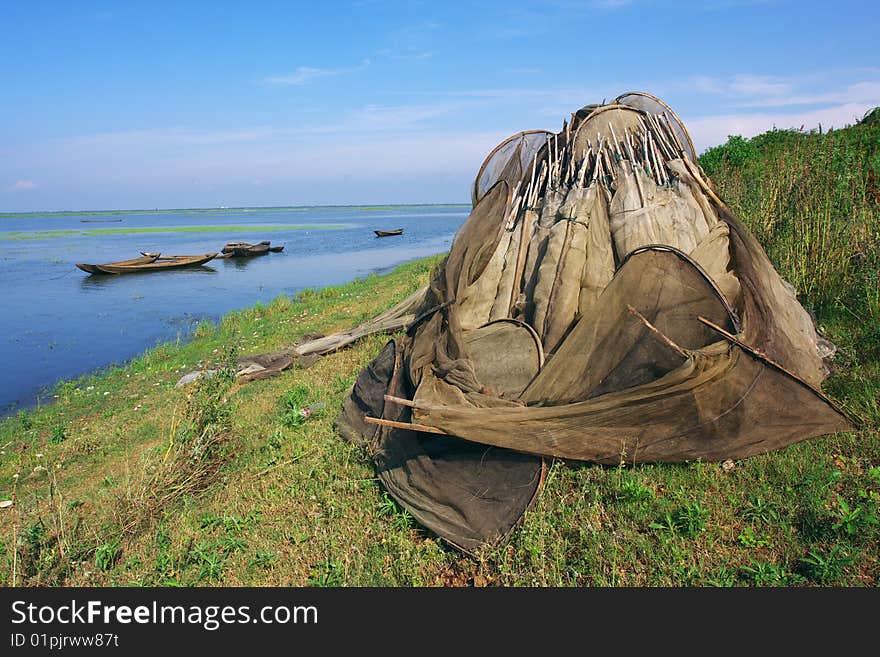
pixel 812 200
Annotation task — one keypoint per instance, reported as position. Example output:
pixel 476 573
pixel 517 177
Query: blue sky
pixel 185 104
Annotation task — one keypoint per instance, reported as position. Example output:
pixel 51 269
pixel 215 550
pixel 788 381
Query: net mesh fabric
pixel 508 161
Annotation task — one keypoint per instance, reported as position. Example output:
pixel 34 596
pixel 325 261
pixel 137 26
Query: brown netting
pixel 600 303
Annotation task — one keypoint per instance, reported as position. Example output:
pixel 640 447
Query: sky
pixel 112 105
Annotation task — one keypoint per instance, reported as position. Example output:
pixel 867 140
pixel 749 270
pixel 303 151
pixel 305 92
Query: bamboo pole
pixel 399 400
pixel 632 166
pixel 616 145
pixel 422 428
pixel 655 174
pixel 597 168
pixel 660 135
pixel 659 161
pixel 672 134
pixel 513 209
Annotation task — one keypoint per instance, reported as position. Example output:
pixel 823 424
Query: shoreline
pixel 49 393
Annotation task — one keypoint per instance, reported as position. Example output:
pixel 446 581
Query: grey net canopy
pixel 600 303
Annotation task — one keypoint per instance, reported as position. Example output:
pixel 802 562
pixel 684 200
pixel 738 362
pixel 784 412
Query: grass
pixel 92 232
pixel 227 484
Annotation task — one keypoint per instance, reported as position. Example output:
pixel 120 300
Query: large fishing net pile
pixel 600 303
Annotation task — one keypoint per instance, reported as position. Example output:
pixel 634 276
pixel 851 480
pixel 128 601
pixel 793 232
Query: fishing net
pixel 600 303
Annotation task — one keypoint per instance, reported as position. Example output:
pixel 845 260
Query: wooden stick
pixel 695 172
pixel 598 157
pixel 584 164
pixel 543 183
pixel 681 351
pixel 561 172
pixel 422 428
pixel 672 134
pixel 534 168
pixel 616 145
pixel 764 358
pixel 512 208
pixel 735 340
pixel 652 166
pixel 632 166
pixel 659 133
pixel 400 400
pixel 659 161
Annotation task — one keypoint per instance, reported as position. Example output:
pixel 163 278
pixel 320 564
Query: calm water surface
pixel 59 322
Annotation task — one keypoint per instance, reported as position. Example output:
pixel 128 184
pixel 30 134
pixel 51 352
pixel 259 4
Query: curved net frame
pixel 508 160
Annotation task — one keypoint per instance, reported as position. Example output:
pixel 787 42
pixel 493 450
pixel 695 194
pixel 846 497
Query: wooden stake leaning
pixel 681 351
pixel 423 428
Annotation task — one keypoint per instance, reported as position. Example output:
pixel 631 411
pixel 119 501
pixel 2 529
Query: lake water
pixel 59 322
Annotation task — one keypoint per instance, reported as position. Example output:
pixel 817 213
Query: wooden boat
pixel 388 233
pixel 243 249
pixel 159 264
pixel 145 259
pixel 276 249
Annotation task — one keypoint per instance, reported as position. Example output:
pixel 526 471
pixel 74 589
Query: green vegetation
pixel 225 484
pixel 261 210
pixel 812 200
pixel 92 232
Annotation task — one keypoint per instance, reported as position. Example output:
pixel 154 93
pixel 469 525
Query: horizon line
pixel 4 213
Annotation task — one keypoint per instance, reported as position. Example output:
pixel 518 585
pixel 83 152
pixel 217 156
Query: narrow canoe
pixel 276 249
pixel 388 233
pixel 145 258
pixel 243 249
pixel 171 262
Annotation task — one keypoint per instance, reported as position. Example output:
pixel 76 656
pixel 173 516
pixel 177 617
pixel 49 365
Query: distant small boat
pixel 276 249
pixel 244 249
pixel 96 221
pixel 145 258
pixel 388 233
pixel 158 264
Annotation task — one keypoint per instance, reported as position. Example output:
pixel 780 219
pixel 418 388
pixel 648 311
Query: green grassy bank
pixel 127 480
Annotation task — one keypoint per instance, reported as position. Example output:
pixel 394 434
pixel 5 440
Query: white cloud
pixel 823 88
pixel 22 186
pixel 830 98
pixel 860 92
pixel 307 74
pixel 743 85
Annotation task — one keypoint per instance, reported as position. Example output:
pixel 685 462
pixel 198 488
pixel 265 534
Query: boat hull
pixel 172 262
pixel 244 250
pixel 145 258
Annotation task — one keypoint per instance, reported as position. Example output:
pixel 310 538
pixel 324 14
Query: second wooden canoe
pixel 171 262
pixel 243 249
